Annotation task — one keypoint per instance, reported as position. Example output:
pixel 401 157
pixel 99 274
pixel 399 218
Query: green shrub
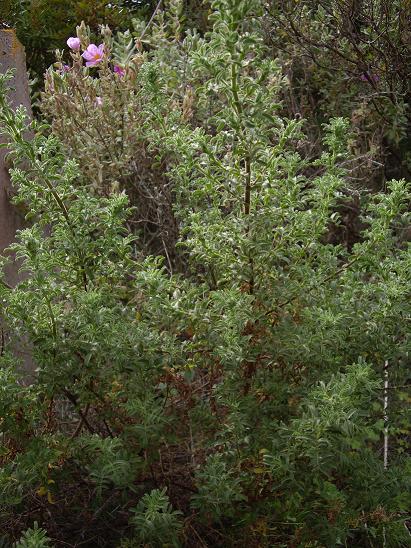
pixel 234 396
pixel 33 538
pixel 155 521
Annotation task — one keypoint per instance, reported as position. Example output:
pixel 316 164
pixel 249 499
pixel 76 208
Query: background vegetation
pixel 217 280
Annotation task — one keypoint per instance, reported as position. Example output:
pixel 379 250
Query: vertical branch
pixel 2 342
pixel 247 164
pixel 247 194
pixel 247 206
pixel 234 90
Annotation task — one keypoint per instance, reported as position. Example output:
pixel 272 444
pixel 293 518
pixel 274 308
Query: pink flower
pixel 119 70
pixel 64 69
pixel 98 102
pixel 93 55
pixel 73 43
pixel 369 77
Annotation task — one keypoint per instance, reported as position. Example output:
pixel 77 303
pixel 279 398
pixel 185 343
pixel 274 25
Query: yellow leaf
pixel 50 498
pixel 42 491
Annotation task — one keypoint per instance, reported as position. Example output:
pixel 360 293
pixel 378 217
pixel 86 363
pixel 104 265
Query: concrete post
pixel 12 56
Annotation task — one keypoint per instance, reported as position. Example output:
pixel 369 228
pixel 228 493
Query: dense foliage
pixel 350 58
pixel 209 347
pixel 44 25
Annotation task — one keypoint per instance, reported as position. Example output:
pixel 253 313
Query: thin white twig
pixel 151 20
pixel 386 387
pixel 386 383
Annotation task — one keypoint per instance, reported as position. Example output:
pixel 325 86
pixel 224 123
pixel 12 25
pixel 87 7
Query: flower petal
pixel 93 49
pixel 73 43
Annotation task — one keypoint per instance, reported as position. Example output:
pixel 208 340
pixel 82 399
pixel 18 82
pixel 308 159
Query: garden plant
pixel 216 362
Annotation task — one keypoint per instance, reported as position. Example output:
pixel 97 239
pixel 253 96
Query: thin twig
pixel 8 286
pixel 384 533
pixel 386 415
pixel 73 400
pixel 309 289
pixel 80 424
pixel 151 20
